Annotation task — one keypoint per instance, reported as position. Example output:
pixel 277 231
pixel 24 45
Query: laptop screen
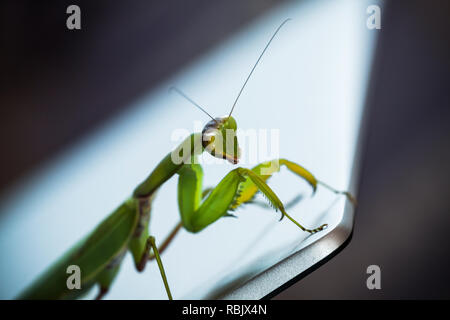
pixel 304 102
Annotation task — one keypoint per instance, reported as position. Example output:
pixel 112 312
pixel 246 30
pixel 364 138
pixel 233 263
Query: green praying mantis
pixel 100 254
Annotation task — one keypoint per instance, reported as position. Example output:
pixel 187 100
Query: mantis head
pixel 220 140
pixel 219 134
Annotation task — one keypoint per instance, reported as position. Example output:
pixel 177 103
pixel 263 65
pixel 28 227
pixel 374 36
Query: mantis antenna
pixel 257 61
pixel 181 93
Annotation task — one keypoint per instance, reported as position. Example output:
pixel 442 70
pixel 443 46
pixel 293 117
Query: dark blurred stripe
pixel 403 218
pixel 56 85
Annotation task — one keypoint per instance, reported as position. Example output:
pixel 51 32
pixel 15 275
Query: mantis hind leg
pixel 144 256
pixel 138 242
pixel 151 244
pixel 141 243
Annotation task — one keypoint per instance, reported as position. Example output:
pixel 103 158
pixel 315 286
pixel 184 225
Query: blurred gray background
pixel 404 206
pixel 55 87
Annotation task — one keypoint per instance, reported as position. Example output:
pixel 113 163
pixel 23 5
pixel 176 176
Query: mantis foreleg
pixel 264 170
pixel 197 215
pixel 175 230
pixel 287 206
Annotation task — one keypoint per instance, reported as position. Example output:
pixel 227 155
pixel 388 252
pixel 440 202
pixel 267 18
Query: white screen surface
pixel 309 87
